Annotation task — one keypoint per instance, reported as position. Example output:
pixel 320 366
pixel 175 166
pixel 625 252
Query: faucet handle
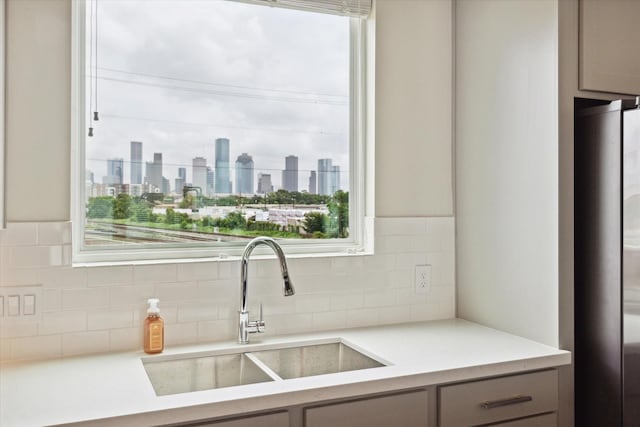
pixel 260 322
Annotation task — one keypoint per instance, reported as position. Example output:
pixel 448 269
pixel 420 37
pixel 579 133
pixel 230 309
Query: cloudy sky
pixel 177 74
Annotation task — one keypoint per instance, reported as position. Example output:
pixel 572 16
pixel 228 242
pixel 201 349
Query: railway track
pixel 100 232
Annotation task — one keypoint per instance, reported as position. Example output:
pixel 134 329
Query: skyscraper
pixel 334 184
pixel 199 173
pixel 166 186
pixel 312 183
pixel 181 180
pixel 222 173
pixel 290 173
pixel 211 180
pixel 114 171
pixel 264 183
pixel 244 174
pixel 136 162
pixel 325 170
pixel 154 171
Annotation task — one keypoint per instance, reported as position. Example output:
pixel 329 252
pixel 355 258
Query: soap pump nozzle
pixel 153 306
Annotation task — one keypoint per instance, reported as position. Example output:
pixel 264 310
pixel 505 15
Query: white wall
pixel 96 309
pixel 507 165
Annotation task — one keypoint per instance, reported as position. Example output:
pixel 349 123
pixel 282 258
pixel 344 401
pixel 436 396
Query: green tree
pixel 121 206
pixel 338 225
pixel 141 213
pixel 170 216
pixel 314 222
pixel 100 207
pixel 235 220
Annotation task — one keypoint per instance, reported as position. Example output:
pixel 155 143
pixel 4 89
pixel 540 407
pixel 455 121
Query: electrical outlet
pixel 423 278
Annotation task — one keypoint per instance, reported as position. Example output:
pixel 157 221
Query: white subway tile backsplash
pixel 109 319
pixel 97 309
pixel 363 317
pixel 36 347
pixel 186 291
pixel 329 320
pixel 155 273
pixel 112 275
pixel 192 271
pixel 347 300
pixel 20 234
pixel 180 333
pixel 131 296
pixel 63 321
pixel 312 303
pixel 380 298
pixel 125 339
pixel 85 342
pixel 214 329
pixel 196 311
pixel 64 277
pixel 88 298
pixel 54 233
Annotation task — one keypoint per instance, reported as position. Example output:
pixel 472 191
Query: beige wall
pixel 507 165
pixel 414 93
pixel 413 103
pixel 38 102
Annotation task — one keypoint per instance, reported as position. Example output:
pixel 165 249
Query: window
pixel 201 124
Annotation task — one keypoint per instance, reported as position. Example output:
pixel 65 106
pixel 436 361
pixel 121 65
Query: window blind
pixel 354 8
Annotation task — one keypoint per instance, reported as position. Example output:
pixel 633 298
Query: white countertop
pixel 86 389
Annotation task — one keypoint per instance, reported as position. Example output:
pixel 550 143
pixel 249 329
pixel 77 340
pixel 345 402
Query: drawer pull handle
pixel 506 402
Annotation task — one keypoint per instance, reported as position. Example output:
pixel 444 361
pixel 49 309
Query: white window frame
pixel 360 240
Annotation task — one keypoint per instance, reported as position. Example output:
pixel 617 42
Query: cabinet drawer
pixel 498 399
pixel 546 420
pixel 406 409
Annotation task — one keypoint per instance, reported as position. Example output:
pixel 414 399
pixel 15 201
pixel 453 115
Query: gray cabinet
pixel 277 419
pixel 499 400
pixel 405 409
pixel 609 40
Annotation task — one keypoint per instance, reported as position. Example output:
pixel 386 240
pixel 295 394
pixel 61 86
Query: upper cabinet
pixel 609 40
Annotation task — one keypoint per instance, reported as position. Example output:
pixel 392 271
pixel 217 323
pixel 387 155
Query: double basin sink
pixel 226 368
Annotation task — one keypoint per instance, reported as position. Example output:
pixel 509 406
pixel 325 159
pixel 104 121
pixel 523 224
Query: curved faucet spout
pixel 246 326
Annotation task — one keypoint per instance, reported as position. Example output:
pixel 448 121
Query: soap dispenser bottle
pixel 153 328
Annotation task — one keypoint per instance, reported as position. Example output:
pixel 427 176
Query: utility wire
pixel 157 76
pixel 177 122
pixel 226 93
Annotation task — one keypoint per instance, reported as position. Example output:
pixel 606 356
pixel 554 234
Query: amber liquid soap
pixel 153 329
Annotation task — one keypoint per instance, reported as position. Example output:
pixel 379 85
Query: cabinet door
pixel 609 40
pixel 498 399
pixel 278 419
pixel 407 409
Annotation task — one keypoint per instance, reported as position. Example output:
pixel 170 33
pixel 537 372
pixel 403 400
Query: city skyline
pixel 246 178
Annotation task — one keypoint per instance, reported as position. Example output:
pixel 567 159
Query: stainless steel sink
pixel 186 374
pixel 309 360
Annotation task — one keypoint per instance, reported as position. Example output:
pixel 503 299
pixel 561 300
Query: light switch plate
pixel 29 305
pixel 13 305
pixel 20 304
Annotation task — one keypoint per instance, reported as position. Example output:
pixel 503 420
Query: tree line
pixel 139 209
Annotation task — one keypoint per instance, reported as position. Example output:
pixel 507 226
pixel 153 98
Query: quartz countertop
pixel 113 389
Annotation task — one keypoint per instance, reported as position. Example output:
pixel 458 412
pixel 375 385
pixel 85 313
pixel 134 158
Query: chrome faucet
pixel 246 326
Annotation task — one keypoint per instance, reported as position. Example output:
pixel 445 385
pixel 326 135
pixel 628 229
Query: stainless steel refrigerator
pixel 607 263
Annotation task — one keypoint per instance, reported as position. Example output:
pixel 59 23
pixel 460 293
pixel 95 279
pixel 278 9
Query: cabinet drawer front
pixel 498 399
pixel 546 420
pixel 407 409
